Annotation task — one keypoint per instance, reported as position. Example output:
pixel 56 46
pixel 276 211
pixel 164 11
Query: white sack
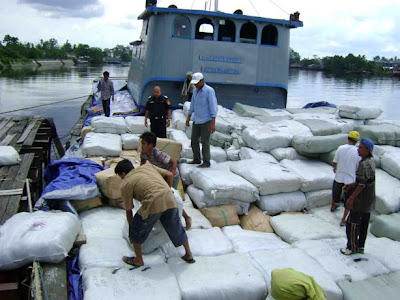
pixel 232 153
pixel 203 242
pixel 339 266
pixel 359 112
pixel 316 175
pixel 384 134
pixel 222 124
pixel 387 191
pixel 269 178
pixel 220 184
pixel 265 138
pixel 8 156
pixel 390 162
pixel 384 250
pixel 130 141
pixel 324 213
pixel 201 200
pixel 220 139
pixel 318 198
pixel 43 236
pixel 218 154
pixel 298 227
pixel 318 144
pixel 386 226
pixel 158 282
pixel 245 110
pixel 248 240
pixel 186 107
pixel 321 127
pixel 275 204
pixel 297 259
pixel 135 124
pixel 248 153
pixel 101 124
pixel 199 221
pixel 230 277
pixel 186 169
pixel 102 144
pixel 178 119
pixel 286 153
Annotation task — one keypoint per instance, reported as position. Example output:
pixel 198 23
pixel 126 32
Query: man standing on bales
pixel 361 200
pixel 158 109
pixel 151 186
pixel 345 164
pixel 204 107
pixel 106 87
pixel 162 160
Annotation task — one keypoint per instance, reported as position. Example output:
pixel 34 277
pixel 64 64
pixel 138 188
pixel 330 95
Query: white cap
pixel 196 78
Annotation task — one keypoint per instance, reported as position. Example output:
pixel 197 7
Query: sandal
pixel 188 260
pixel 129 260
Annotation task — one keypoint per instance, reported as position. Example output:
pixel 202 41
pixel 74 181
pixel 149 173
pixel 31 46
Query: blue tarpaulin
pixel 70 179
pixel 318 104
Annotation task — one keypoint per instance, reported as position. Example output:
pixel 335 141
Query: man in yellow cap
pixel 345 164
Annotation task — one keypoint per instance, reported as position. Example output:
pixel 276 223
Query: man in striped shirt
pixel 106 87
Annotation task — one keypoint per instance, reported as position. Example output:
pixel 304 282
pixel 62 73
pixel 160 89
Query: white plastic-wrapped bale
pixel 116 125
pixel 269 178
pixel 248 110
pixel 270 119
pixel 186 169
pixel 220 184
pixel 316 175
pixel 312 110
pixel 321 127
pixel 188 129
pixel 276 112
pixel 178 119
pixel 324 213
pixel 102 144
pixel 381 121
pixel 318 198
pixel 8 156
pixel 346 125
pixel 291 127
pixel 220 139
pixel 275 204
pixel 248 153
pixel 248 240
pixel 286 153
pixel 231 276
pixel 386 226
pixel 186 107
pixel 232 153
pixel 265 138
pixel 217 154
pixel 387 191
pixel 297 227
pixel 179 136
pixel 158 282
pixel 328 157
pixel 380 287
pixel 385 250
pixel 318 144
pixel 359 112
pixel 390 162
pixel 203 242
pixel 136 125
pixel 130 141
pixel 201 200
pixel 297 259
pixel 339 266
pixel 199 221
pixel 306 115
pixel 108 253
pixel 43 236
pixel 223 125
pixel 384 134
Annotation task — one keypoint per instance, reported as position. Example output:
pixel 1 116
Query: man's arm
pixel 188 120
pixel 129 216
pixel 213 106
pixel 334 167
pixel 112 90
pixel 174 164
pixel 169 117
pixel 169 177
pixel 357 191
pixel 146 116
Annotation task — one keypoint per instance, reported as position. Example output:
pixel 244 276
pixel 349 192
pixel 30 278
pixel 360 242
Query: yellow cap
pixel 354 135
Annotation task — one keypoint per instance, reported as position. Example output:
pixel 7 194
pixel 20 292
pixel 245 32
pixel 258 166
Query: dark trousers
pixel 356 230
pixel 159 126
pixel 201 131
pixel 337 192
pixel 106 107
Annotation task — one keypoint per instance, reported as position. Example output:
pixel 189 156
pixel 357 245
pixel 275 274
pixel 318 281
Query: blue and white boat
pixel 244 58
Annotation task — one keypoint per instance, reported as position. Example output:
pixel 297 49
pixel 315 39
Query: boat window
pixel 226 31
pixel 269 35
pixel 182 27
pixel 248 33
pixel 204 29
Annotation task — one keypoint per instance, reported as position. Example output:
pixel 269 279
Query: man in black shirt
pixel 158 109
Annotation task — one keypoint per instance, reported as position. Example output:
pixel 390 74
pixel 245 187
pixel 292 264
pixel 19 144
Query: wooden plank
pixel 80 240
pixel 17 183
pixel 7 139
pixel 8 286
pixel 55 280
pixel 26 132
pixel 6 127
pixel 31 136
pixel 3 122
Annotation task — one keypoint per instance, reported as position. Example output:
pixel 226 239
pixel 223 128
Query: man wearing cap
pixel 345 164
pixel 158 109
pixel 361 201
pixel 204 107
pixel 187 89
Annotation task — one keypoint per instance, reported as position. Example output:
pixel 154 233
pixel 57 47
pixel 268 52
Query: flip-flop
pixel 129 260
pixel 189 261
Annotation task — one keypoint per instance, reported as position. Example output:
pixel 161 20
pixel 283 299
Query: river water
pixel 22 89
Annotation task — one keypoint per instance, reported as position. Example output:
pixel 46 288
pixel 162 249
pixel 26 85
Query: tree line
pixel 348 64
pixel 13 50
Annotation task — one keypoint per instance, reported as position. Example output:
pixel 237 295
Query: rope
pixel 251 2
pixel 279 7
pixel 40 105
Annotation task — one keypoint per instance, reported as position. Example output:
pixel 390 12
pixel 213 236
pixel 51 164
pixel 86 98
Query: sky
pixel 338 27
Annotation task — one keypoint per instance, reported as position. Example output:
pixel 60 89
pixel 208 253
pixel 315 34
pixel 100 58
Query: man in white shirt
pixel 345 164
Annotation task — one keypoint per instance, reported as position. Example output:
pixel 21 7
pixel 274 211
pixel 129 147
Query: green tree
pixel 294 57
pixel 96 55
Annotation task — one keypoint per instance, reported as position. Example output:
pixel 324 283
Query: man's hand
pixel 350 202
pixel 168 122
pixel 211 128
pixel 112 99
pixel 145 122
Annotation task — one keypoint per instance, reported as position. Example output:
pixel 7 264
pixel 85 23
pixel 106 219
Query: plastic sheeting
pixel 116 125
pixel 102 144
pixel 387 191
pixel 8 156
pixel 359 112
pixel 275 204
pixel 386 226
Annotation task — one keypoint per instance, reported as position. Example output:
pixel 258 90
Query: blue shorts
pixel 140 229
